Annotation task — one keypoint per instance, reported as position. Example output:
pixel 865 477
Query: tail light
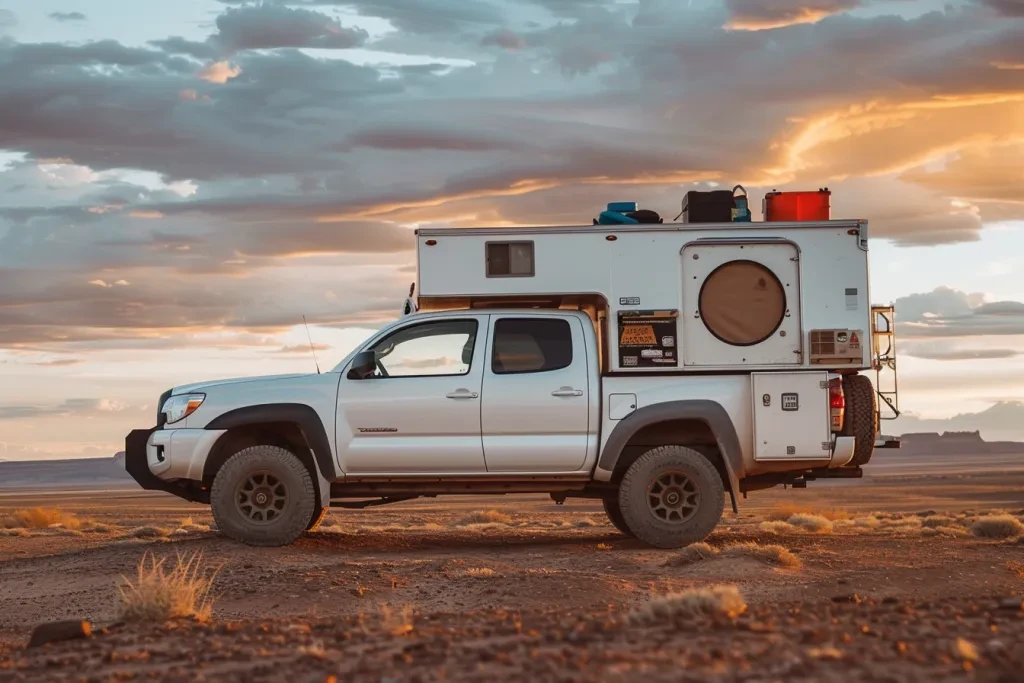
pixel 836 403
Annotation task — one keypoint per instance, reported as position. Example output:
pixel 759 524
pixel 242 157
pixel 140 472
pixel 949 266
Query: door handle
pixel 462 393
pixel 567 391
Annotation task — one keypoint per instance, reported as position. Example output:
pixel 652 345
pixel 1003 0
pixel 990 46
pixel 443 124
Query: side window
pixel 444 347
pixel 531 345
pixel 509 259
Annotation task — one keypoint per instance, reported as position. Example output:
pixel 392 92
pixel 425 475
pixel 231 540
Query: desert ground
pixel 914 573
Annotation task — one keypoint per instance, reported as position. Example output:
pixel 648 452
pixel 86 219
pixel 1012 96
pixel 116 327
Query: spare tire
pixel 861 418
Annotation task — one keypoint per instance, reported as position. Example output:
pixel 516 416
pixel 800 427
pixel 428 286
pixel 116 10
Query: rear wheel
pixel 614 512
pixel 671 496
pixel 861 417
pixel 263 496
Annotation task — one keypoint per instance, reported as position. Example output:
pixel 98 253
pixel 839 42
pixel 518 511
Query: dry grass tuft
pixel 96 528
pixel 769 554
pixel 936 521
pixel 485 526
pixel 997 526
pixel 585 523
pixel 159 594
pixel 869 522
pixel 782 513
pixel 480 572
pixel 396 623
pixel 813 523
pixel 695 552
pixel 944 531
pixel 39 518
pixel 485 517
pixel 150 532
pixel 721 601
pixel 14 532
pixel 777 528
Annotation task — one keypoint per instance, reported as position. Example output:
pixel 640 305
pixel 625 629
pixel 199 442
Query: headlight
pixel 179 407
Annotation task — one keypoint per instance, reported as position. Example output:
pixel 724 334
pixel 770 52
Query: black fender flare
pixel 308 420
pixel 703 410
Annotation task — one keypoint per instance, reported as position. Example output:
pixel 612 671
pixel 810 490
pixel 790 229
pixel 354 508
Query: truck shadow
pixel 447 540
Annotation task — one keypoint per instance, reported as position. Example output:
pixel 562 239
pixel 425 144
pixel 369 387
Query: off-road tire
pixel 861 417
pixel 680 463
pixel 318 516
pixel 287 523
pixel 614 512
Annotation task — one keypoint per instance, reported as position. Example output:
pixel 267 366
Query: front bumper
pixel 169 460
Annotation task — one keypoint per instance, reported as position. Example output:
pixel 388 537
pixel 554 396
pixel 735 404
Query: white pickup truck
pixel 654 367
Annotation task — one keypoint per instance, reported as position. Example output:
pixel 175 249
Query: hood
pixel 199 386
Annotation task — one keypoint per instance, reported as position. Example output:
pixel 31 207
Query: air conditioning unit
pixel 836 347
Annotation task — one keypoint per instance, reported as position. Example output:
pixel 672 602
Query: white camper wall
pixel 641 269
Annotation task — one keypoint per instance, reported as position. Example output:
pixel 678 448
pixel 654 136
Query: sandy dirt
pixel 409 592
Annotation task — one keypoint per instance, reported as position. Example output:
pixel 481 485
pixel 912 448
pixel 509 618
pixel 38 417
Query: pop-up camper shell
pixel 674 298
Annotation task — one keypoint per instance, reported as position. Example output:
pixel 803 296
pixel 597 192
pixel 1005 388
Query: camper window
pixel 742 303
pixel 509 259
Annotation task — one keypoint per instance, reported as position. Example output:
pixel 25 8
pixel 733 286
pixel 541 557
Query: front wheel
pixel 671 496
pixel 263 496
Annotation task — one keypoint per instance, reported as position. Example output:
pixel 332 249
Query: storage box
pixel 797 206
pixel 708 207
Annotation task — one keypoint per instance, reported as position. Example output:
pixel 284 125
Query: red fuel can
pixel 798 206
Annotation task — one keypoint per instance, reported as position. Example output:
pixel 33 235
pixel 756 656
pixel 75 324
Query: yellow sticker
pixel 638 334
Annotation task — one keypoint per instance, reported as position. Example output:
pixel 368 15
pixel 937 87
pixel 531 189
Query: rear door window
pixel 531 345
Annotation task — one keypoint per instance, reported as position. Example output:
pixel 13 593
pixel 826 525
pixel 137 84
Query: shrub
pixel 480 572
pixel 150 532
pixel 997 526
pixel 485 517
pixel 39 518
pixel 159 594
pixel 769 554
pixel 695 552
pixel 777 528
pixel 772 554
pixel 783 512
pixel 723 601
pixel 809 522
pixel 943 531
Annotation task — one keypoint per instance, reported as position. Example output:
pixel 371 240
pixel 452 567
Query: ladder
pixel 883 359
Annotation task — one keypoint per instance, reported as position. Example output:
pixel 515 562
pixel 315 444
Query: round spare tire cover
pixel 742 303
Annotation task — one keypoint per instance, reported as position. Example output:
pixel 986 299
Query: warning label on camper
pixel 647 339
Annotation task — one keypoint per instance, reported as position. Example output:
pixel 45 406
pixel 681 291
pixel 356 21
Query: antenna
pixel 311 349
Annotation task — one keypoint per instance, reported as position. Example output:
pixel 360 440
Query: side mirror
pixel 363 365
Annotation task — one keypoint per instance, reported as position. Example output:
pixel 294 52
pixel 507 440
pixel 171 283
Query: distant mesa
pixel 964 443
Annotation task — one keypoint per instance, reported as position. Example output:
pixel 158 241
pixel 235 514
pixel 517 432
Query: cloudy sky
pixel 181 181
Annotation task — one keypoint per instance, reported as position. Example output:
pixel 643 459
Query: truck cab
pixel 654 367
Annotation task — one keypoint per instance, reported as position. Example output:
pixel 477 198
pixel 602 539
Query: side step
pixel 826 473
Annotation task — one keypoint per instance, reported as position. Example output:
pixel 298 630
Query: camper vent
pixel 510 259
pixel 836 346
